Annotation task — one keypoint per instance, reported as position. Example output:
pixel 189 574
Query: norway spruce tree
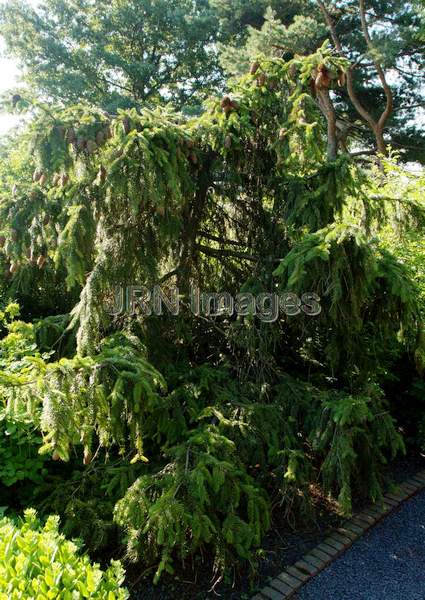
pixel 222 418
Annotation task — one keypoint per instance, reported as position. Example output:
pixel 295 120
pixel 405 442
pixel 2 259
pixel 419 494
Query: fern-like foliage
pixel 202 498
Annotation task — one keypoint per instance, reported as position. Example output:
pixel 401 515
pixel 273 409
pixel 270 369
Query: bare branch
pixel 381 73
pixel 362 153
pixel 216 238
pixel 350 83
pixel 225 253
pixel 331 25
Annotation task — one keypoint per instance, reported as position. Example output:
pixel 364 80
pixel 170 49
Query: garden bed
pixel 281 547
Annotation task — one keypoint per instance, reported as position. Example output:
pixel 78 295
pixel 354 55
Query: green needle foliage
pixel 207 424
pixel 102 396
pixel 204 497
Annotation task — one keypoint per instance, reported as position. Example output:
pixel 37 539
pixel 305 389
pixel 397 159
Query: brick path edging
pixel 288 583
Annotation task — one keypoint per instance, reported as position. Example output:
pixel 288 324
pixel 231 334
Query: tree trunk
pixel 380 142
pixel 192 218
pixel 328 109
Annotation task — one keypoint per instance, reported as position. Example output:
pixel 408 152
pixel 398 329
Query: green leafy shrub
pixel 36 561
pixel 220 452
pixel 19 457
pixel 346 438
pixel 83 399
pixel 20 440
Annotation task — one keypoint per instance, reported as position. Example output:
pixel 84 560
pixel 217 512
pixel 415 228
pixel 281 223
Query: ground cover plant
pixel 168 439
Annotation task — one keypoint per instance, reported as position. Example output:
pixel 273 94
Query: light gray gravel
pixel 387 563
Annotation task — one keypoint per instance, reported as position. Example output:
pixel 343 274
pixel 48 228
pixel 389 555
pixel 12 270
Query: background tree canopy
pixel 122 54
pixel 115 53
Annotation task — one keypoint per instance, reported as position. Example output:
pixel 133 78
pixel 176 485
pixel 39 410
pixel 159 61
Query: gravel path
pixel 387 563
